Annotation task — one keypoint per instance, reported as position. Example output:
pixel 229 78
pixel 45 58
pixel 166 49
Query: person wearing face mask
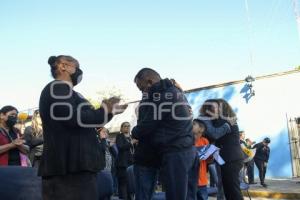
pixel 12 147
pixel 71 157
pixel 34 138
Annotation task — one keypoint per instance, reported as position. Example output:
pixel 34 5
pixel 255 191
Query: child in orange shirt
pixel 198 130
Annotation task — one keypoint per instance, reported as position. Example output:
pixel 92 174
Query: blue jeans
pixel 115 184
pixel 145 182
pixel 202 193
pixel 180 174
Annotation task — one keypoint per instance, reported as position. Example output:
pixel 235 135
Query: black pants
pixel 230 179
pixel 81 186
pixel 213 175
pixel 262 169
pixel 180 174
pixel 220 194
pixel 122 183
pixel 250 171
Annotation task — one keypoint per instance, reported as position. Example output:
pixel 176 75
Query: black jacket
pixel 125 148
pixel 145 154
pixel 230 146
pixel 69 145
pixel 227 138
pixel 31 140
pixel 262 152
pixel 34 142
pixel 165 120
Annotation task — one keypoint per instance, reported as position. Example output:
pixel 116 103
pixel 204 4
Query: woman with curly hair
pixel 221 127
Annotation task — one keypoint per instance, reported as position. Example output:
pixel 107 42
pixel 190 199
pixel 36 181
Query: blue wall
pixel 263 115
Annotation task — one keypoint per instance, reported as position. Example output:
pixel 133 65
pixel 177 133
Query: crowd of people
pixel 69 144
pixel 260 158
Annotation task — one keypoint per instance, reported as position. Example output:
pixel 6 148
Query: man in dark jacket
pixel 146 165
pixel 261 159
pixel 71 157
pixel 166 121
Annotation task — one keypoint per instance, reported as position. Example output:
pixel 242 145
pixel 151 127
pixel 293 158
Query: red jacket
pixel 4 156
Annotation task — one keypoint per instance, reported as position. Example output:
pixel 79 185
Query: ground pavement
pixel 277 189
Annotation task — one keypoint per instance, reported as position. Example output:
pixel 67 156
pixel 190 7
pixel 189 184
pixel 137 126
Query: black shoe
pixel 264 185
pixel 252 183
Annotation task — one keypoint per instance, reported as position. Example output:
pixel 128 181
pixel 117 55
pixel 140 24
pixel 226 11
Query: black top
pixel 262 152
pixel 166 121
pixel 230 145
pixel 226 137
pixel 70 138
pixel 31 140
pixel 14 154
pixel 35 143
pixel 125 148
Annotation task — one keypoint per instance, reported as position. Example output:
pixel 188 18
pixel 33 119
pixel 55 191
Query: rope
pixel 250 35
pixel 297 14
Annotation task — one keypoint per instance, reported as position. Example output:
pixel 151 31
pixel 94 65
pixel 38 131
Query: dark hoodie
pixel 262 152
pixel 165 120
